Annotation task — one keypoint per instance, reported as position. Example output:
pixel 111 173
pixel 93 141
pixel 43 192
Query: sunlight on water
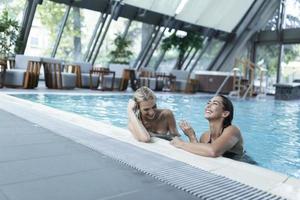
pixel 271 129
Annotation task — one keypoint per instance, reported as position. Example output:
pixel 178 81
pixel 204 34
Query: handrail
pixel 222 85
pixel 248 89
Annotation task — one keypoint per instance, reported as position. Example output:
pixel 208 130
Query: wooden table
pixel 128 75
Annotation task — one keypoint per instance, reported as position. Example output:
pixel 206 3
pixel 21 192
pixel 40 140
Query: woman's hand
pixel 188 131
pixel 186 128
pixel 177 142
pixel 131 105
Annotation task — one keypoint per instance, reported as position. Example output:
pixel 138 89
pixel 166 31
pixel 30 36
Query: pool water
pixel 271 128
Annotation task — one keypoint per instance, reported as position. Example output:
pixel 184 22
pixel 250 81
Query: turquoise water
pixel 271 129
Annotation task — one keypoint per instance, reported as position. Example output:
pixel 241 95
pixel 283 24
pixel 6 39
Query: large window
pixel 77 33
pixel 272 22
pixel 11 11
pixel 15 7
pixel 267 57
pixel 118 27
pixel 290 67
pixel 209 55
pixel 44 29
pixel 292 14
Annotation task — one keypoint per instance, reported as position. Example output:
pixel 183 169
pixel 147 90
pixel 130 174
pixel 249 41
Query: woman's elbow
pixel 214 153
pixel 144 139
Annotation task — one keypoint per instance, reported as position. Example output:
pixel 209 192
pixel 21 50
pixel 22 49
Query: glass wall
pixel 45 27
pixel 116 28
pixel 77 33
pixel 169 61
pixel 267 57
pixel 212 51
pixel 292 14
pixel 11 13
pixel 290 67
pixel 16 8
pixel 272 23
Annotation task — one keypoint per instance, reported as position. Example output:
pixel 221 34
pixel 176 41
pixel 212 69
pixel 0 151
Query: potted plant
pixel 121 53
pixel 182 44
pixel 9 30
pixel 119 61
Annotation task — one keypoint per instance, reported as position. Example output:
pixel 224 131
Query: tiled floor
pixel 37 164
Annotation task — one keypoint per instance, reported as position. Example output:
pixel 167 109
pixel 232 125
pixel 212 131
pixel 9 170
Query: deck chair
pixel 182 79
pixel 148 77
pixel 25 73
pixel 85 79
pixel 58 75
pixel 118 79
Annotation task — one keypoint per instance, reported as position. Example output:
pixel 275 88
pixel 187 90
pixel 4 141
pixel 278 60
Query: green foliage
pixel 9 30
pixel 182 44
pixel 269 53
pixel 121 53
pixel 51 15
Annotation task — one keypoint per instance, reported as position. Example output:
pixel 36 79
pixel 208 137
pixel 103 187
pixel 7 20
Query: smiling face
pixel 148 109
pixel 215 109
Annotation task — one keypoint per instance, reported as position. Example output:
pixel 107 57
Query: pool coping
pixel 258 177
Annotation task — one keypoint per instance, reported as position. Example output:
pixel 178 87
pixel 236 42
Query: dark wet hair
pixel 227 106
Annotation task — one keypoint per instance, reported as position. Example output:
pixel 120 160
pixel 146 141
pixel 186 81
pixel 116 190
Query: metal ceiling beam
pixel 61 30
pixel 27 23
pixel 94 44
pixel 94 35
pixel 112 15
pixel 288 36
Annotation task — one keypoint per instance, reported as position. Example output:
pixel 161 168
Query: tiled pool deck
pixel 50 154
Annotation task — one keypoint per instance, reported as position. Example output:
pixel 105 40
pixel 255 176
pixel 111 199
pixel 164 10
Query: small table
pixel 101 73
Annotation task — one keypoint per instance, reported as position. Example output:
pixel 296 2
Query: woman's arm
pixel 171 123
pixel 226 141
pixel 135 125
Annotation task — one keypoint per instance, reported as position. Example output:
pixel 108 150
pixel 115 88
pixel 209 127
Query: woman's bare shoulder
pixel 233 130
pixel 204 138
pixel 167 112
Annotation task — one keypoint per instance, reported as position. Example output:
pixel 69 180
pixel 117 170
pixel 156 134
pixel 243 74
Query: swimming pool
pixel 271 129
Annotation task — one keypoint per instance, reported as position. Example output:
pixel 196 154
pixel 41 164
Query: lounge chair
pixel 119 79
pixel 148 77
pixel 182 79
pixel 58 75
pixel 85 79
pixel 25 73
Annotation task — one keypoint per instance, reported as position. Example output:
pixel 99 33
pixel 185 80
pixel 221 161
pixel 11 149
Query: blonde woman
pixel 146 120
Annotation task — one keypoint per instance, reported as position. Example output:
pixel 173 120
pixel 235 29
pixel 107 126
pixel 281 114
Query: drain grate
pixel 195 181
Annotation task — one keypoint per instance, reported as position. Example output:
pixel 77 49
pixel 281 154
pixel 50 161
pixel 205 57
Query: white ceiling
pixel 217 14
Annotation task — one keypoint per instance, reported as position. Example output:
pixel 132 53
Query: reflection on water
pixel 271 129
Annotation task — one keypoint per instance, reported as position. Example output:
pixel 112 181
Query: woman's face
pixel 148 109
pixel 214 108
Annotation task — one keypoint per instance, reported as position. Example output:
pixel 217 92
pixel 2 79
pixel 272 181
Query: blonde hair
pixel 143 94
